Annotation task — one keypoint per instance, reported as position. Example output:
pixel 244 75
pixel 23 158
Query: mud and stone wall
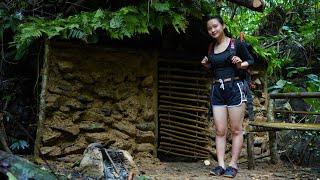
pixel 97 94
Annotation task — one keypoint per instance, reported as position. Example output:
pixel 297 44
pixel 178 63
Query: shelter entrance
pixel 183 125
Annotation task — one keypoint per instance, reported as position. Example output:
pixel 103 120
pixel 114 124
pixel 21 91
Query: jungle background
pixel 285 36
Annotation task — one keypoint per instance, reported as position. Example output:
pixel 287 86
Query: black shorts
pixel 230 94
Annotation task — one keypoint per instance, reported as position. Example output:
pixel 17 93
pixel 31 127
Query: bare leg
pixel 220 121
pixel 236 115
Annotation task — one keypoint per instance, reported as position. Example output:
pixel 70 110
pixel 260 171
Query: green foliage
pixel 128 21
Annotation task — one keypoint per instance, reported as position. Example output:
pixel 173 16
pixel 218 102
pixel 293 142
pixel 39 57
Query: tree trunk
pixel 23 169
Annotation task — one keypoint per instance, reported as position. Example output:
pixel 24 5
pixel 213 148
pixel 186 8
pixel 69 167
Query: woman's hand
pixel 239 63
pixel 205 62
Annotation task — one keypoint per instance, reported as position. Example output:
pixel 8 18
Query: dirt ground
pixel 155 169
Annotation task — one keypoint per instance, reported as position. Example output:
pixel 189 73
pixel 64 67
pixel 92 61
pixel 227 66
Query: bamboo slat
pixel 183 99
pixel 181 70
pixel 181 147
pixel 185 105
pixel 183 138
pixel 196 133
pixel 197 138
pixel 180 108
pixel 184 88
pixel 182 94
pixel 181 112
pixel 182 83
pixel 183 118
pixel 183 155
pixel 183 125
pixel 185 143
pixel 168 76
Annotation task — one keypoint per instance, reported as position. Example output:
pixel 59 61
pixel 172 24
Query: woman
pixel 227 60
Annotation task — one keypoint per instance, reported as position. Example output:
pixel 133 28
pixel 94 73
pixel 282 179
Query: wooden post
pixel 272 134
pixel 42 103
pixel 250 152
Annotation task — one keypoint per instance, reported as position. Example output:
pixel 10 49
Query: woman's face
pixel 215 28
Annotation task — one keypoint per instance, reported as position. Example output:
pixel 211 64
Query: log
pixel 23 169
pixel 296 112
pixel 255 5
pixel 288 126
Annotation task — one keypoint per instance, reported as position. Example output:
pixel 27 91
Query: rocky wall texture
pixel 97 95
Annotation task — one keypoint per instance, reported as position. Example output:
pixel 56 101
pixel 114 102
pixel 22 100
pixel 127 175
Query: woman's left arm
pixel 245 59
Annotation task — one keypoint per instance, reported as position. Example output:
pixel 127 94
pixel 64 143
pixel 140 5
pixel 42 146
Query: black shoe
pixel 230 172
pixel 217 171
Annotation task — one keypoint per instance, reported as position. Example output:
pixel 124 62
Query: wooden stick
pixel 196 138
pixel 182 94
pixel 184 129
pixel 181 112
pixel 183 99
pixel 295 95
pixel 114 166
pixel 289 126
pixel 185 105
pixel 183 138
pixel 183 155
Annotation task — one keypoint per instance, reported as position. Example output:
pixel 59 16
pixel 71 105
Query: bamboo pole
pixel 185 105
pixel 296 112
pixel 182 77
pixel 184 113
pixel 184 88
pixel 182 83
pixel 183 125
pixel 179 108
pixel 183 138
pixel 250 151
pixel 183 118
pixel 197 138
pixel 288 126
pixel 183 155
pixel 185 143
pixel 183 99
pixel 181 147
pixel 179 61
pixel 295 95
pixel 184 129
pixel 182 94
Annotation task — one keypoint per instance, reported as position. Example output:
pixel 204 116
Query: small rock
pixel 98 137
pixel 92 126
pixel 51 151
pixel 148 115
pixel 92 163
pixel 145 137
pixel 85 98
pixel 73 130
pixel 206 162
pixel 74 104
pixel 257 81
pixel 126 127
pixel 145 147
pixel 50 136
pixel 64 109
pixel 65 66
pixel 147 82
pixel 120 134
pixel 148 126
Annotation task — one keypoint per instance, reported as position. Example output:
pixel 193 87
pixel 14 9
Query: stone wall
pixel 97 94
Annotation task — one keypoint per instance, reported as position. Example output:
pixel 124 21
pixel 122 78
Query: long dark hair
pixel 219 18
